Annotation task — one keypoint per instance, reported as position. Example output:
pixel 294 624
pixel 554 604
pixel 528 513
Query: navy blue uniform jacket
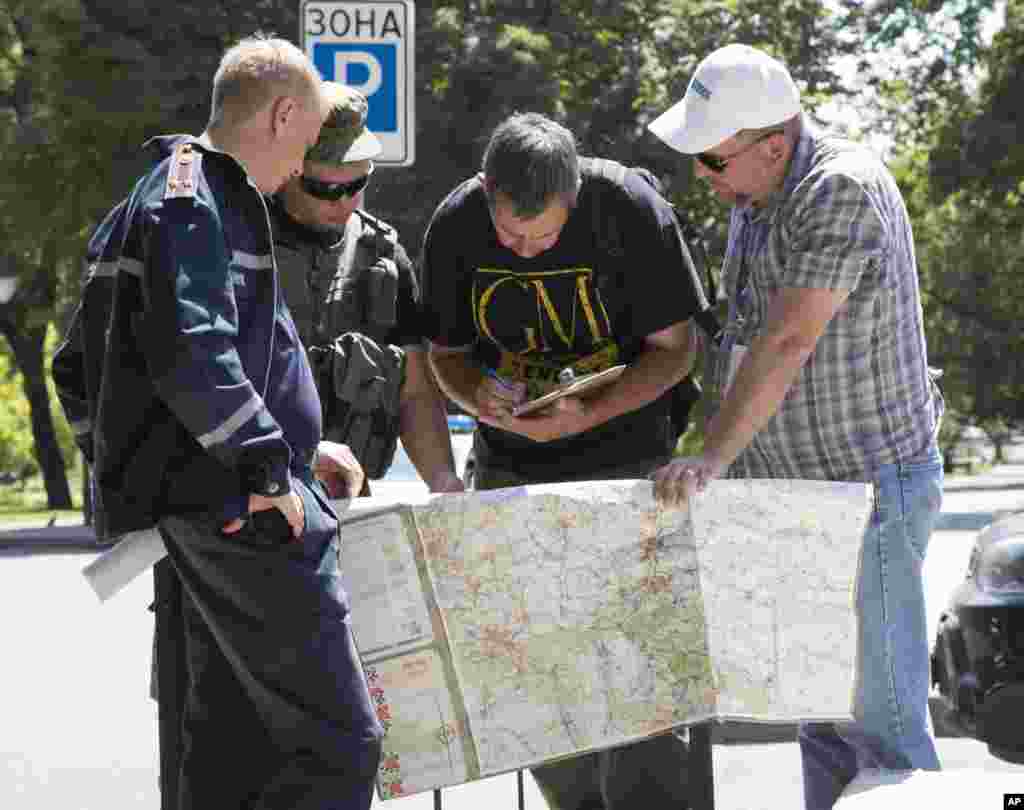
pixel 166 367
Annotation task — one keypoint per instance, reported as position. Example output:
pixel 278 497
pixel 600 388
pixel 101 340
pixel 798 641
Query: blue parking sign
pixel 369 46
pixel 371 69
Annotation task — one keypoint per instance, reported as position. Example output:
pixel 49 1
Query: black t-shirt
pixel 573 305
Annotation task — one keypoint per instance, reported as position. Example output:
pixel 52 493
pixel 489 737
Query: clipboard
pixel 588 383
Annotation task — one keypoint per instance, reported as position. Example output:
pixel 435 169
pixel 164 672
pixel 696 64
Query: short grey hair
pixel 790 128
pixel 532 160
pixel 255 71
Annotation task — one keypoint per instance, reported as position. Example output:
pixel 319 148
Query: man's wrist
pixel 267 480
pixel 443 481
pixel 716 460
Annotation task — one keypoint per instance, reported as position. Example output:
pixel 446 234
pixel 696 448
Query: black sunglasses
pixel 332 192
pixel 720 164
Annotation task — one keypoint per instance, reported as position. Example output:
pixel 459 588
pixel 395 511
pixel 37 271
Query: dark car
pixel 978 658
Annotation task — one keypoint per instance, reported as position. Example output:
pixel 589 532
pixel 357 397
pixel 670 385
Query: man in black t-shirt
pixel 518 284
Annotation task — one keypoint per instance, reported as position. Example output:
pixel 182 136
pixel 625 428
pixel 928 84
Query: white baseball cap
pixel 736 87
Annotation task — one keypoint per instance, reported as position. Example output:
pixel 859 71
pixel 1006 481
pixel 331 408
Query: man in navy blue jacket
pixel 191 396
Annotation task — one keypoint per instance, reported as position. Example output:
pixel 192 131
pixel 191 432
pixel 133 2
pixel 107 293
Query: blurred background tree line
pixel 84 82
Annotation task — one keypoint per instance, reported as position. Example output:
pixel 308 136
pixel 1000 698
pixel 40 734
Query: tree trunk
pixel 28 347
pixel 87 505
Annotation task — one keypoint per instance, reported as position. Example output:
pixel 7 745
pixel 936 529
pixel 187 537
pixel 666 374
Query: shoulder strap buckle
pixel 182 174
pixel 609 169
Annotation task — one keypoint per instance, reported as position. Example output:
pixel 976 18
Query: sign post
pixel 370 46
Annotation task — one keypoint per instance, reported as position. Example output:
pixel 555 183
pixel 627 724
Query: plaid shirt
pixel 864 397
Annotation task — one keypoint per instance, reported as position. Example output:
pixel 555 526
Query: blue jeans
pixel 891 728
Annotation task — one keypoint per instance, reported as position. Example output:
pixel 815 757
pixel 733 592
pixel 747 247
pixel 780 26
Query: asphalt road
pixel 78 731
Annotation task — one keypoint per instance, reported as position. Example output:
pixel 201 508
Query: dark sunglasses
pixel 720 164
pixel 332 192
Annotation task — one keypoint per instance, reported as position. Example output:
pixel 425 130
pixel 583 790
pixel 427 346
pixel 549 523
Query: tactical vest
pixel 343 296
pixel 338 285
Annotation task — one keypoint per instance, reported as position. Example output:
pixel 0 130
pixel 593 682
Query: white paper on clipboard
pixel 580 387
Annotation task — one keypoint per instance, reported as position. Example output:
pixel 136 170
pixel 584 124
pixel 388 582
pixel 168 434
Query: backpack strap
pixel 606 230
pixel 607 237
pixel 374 260
pixel 696 255
pixel 354 241
pixel 609 169
pixel 382 235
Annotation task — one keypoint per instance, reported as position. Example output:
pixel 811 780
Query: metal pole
pixel 437 798
pixel 702 768
pixel 522 792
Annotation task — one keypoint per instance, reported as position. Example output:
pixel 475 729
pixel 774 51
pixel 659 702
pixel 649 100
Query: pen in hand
pixel 506 384
pixel 508 393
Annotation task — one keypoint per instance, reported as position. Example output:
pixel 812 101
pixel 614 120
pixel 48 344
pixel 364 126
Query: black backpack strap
pixel 380 286
pixel 608 239
pixel 607 236
pixel 606 231
pixel 696 259
pixel 610 252
pixel 695 242
pixel 382 235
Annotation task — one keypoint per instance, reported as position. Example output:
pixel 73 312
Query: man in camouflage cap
pixel 344 138
pixel 352 292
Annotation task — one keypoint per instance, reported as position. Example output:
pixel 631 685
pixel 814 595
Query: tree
pixel 26 336
pixel 962 174
pixel 24 318
pixel 78 91
pixel 86 81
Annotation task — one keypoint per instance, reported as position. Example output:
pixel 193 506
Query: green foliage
pixel 85 105
pixel 15 432
pixel 25 503
pixel 962 178
pixel 16 446
pixel 87 81
pixel 950 30
pixel 970 253
pixel 691 443
pixel 951 429
pixel 981 137
pixel 915 61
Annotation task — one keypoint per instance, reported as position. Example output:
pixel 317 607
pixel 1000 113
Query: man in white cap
pixel 822 373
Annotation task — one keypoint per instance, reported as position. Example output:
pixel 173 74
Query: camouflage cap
pixel 344 137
